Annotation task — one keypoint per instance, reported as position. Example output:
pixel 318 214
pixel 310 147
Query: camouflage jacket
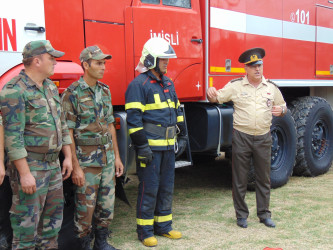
pixel 89 112
pixel 32 117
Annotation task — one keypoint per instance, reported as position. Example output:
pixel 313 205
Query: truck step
pixel 180 164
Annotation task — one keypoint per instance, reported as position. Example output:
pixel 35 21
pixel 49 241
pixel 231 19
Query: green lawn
pixel 203 212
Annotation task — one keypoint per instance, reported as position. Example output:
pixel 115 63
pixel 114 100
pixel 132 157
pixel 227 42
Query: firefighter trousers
pixel 154 215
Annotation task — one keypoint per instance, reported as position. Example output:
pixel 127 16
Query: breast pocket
pixel 107 107
pixel 36 109
pixel 87 110
pixel 267 104
pixel 267 100
pixel 243 100
pixel 56 105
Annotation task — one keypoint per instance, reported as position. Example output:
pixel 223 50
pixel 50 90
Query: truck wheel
pixel 283 149
pixel 283 152
pixel 314 124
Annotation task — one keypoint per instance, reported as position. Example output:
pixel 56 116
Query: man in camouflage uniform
pixel 2 166
pixel 35 132
pixel 96 161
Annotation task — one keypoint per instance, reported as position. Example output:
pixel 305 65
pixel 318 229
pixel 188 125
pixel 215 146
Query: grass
pixel 204 213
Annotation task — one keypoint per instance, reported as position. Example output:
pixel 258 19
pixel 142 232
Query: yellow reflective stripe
pixel 157 98
pixel 161 105
pixel 133 130
pixel 135 105
pixel 142 164
pixel 154 106
pixel 162 142
pixel 143 222
pixel 210 81
pixel 178 104
pixel 325 73
pixel 171 104
pixel 163 218
pixel 223 69
pixel 180 118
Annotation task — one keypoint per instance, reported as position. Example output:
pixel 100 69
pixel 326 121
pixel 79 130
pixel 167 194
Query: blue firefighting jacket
pixel 150 100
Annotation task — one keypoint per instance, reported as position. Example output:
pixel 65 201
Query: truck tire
pixel 314 125
pixel 283 152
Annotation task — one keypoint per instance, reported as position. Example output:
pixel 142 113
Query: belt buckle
pixel 104 140
pixel 170 133
pixel 51 157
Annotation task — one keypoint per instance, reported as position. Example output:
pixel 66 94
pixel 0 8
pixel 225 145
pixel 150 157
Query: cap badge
pixel 254 58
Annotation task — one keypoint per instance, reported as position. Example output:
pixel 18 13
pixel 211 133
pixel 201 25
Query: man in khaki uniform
pixel 255 101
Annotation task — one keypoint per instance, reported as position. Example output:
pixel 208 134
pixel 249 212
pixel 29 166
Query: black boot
pixel 101 242
pixel 85 242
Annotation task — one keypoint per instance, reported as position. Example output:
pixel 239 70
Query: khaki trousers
pixel 245 147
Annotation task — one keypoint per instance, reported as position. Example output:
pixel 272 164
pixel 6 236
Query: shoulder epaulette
pixel 270 81
pixel 237 79
pixel 73 86
pixel 104 85
pixel 13 82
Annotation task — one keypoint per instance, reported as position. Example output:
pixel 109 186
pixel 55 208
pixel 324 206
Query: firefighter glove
pixel 144 154
pixel 182 142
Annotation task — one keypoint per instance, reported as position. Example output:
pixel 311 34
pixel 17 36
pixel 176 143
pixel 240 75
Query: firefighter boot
pixel 173 234
pixel 101 243
pixel 150 242
pixel 85 242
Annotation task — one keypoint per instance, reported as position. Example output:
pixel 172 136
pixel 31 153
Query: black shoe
pixel 101 242
pixel 85 242
pixel 268 222
pixel 241 222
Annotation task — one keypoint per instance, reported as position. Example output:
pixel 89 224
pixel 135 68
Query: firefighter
pixel 255 100
pixel 96 160
pixel 154 117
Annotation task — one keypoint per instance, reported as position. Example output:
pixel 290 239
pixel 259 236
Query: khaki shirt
pixel 252 106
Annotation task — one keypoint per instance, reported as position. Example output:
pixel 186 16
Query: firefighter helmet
pixel 154 48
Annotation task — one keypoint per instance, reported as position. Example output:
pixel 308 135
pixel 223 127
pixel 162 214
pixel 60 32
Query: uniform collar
pixel 29 82
pixel 84 85
pixel 151 75
pixel 263 81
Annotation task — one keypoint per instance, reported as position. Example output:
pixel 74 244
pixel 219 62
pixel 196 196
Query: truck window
pixel 178 3
pixel 151 1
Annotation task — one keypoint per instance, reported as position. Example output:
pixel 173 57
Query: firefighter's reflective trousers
pixel 154 202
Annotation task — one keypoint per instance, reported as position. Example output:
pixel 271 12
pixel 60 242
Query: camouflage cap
pixel 35 48
pixel 93 52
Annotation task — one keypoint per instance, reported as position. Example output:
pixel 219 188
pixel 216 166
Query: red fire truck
pixel 208 36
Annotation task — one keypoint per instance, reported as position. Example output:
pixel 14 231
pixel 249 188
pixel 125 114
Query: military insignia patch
pixel 269 103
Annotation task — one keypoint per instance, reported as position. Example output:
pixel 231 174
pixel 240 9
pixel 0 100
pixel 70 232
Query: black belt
pixel 165 132
pixel 49 157
pixel 93 141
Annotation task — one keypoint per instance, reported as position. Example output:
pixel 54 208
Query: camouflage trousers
pixel 36 219
pixel 95 200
